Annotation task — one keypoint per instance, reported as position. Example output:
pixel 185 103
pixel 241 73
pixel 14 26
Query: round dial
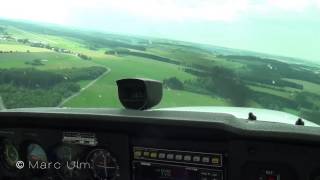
pixel 103 164
pixel 65 153
pixel 10 154
pixel 67 156
pixel 35 153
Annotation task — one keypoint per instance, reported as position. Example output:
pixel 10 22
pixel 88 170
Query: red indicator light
pixel 271 178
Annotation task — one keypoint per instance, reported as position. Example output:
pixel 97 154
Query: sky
pixel 280 27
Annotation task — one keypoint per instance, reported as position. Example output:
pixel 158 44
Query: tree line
pixel 225 83
pixel 29 87
pixel 122 51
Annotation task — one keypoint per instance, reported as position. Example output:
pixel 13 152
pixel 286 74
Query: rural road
pixel 1 104
pixel 84 88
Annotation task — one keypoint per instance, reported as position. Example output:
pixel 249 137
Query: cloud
pixel 168 10
pixel 65 11
pixel 285 6
pixel 213 10
pixel 317 3
pixel 290 5
pixel 39 10
pixel 198 10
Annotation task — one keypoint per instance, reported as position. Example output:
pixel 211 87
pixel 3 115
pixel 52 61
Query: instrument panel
pixel 65 155
pixel 114 151
pixel 60 155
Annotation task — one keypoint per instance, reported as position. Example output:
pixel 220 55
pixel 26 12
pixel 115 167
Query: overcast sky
pixel 283 27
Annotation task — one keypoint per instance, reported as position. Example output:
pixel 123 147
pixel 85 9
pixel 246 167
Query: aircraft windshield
pixel 244 53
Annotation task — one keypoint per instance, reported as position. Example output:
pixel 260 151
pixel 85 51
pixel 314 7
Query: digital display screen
pixel 155 171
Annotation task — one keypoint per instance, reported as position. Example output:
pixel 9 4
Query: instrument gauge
pixel 9 153
pixel 35 153
pixel 103 164
pixel 68 156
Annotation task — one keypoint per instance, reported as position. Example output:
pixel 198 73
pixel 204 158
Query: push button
pixel 178 157
pixel 162 155
pixel 170 156
pixel 153 155
pixel 137 154
pixel 187 158
pixel 205 159
pixel 215 160
pixel 146 154
pixel 196 158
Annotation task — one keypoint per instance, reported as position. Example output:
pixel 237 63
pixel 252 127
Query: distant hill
pixel 134 42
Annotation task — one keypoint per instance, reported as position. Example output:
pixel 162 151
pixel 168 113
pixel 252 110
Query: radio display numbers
pixel 164 164
pixel 159 171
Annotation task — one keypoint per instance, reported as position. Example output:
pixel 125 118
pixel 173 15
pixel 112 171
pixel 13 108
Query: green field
pixel 277 92
pixel 104 92
pixel 51 60
pixel 308 86
pixel 192 56
pixel 20 48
